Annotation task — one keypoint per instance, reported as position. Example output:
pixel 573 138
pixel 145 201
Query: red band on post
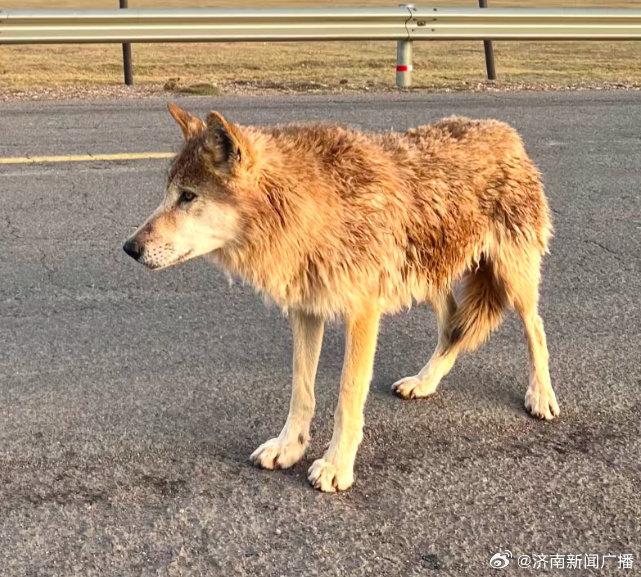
pixel 402 68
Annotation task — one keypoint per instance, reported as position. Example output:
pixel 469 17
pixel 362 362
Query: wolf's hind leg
pixel 523 288
pixel 424 384
pixel 289 447
pixel 463 326
pixel 540 400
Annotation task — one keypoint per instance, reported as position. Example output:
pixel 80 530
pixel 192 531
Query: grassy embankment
pixel 330 66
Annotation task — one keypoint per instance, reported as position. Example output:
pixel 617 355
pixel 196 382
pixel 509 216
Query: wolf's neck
pixel 277 238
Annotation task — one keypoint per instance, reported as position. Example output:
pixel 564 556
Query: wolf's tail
pixel 480 306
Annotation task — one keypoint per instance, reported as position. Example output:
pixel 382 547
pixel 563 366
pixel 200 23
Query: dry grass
pixel 316 66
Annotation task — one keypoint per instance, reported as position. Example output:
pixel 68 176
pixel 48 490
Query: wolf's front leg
pixel 335 471
pixel 289 447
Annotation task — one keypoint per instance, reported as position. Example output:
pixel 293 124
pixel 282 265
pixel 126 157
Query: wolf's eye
pixel 186 196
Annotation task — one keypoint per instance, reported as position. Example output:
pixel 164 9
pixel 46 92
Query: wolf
pixel 327 222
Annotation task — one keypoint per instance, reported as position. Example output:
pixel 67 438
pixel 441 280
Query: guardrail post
pixel 404 63
pixel 126 54
pixel 404 58
pixel 489 52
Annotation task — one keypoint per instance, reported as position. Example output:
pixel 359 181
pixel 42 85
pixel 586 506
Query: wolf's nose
pixel 133 248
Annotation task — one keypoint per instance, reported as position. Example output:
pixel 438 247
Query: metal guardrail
pixel 403 24
pixel 202 25
pixel 228 25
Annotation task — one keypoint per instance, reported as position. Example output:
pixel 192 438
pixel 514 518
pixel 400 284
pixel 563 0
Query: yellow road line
pixel 85 157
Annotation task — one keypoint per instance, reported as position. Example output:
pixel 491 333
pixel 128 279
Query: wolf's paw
pixel 327 477
pixel 278 454
pixel 412 388
pixel 541 404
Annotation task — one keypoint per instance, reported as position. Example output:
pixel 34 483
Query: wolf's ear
pixel 190 125
pixel 223 142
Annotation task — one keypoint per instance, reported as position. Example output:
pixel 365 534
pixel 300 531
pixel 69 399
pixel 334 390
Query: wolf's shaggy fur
pixel 329 221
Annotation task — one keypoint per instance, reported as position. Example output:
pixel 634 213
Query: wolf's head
pixel 199 213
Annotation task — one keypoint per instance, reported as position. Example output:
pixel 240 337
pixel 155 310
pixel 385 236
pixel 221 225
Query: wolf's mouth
pixel 160 266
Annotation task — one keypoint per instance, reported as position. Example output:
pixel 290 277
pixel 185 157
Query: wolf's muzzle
pixel 133 248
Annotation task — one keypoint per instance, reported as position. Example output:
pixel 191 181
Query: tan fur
pixel 327 221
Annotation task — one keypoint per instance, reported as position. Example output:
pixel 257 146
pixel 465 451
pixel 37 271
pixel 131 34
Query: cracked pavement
pixel 130 401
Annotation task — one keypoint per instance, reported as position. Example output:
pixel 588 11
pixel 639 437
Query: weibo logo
pixel 501 560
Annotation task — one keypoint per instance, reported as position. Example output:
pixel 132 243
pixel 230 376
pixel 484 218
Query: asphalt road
pixel 130 400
